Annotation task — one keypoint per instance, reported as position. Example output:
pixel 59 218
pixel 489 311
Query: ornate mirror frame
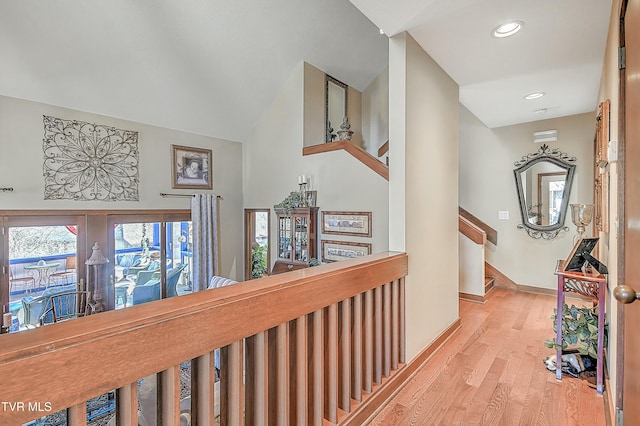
pixel 601 171
pixel 560 159
pixel 331 87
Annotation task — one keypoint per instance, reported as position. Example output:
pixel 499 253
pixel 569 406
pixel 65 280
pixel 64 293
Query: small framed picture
pixel 347 223
pixel 192 167
pixel 333 251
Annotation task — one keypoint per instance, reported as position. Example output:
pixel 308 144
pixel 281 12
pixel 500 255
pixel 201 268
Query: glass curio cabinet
pixel 297 238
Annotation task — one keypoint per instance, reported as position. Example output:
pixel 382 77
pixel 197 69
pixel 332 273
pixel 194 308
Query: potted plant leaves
pixel 579 330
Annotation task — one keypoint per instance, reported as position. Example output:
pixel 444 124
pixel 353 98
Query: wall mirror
pixel 543 181
pixel 335 106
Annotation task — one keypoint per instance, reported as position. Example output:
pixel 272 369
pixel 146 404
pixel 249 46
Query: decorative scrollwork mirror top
pixel 543 181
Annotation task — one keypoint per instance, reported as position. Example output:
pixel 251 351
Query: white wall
pixel 273 160
pixel 21 165
pixel 487 185
pixel 375 113
pixel 471 272
pixel 354 108
pixel 314 112
pixel 423 188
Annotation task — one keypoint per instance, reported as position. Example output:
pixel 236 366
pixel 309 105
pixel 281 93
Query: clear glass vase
pixel 581 215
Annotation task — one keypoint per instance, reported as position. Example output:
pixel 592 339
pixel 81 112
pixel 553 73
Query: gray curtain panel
pixel 204 213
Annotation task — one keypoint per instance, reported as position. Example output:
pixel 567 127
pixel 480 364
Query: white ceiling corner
pixel 213 67
pixel 559 51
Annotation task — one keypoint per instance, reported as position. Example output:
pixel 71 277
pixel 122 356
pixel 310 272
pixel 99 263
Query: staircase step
pixel 489 281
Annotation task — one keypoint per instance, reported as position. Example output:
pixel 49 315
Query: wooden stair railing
pixel 478 232
pixel 492 234
pixel 363 156
pixel 306 347
pixel 471 231
pixel 489 282
pixel 384 148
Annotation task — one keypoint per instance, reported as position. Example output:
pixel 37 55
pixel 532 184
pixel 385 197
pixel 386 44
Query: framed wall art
pixel 347 223
pixel 89 162
pixel 601 170
pixel 192 167
pixel 333 251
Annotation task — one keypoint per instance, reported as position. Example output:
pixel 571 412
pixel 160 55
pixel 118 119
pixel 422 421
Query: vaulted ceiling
pixel 210 67
pixel 213 67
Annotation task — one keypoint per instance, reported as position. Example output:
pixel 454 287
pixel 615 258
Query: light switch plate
pixel 503 215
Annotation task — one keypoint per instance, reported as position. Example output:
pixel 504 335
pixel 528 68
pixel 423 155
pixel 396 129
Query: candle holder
pixel 303 194
pixel 581 215
pixel 302 191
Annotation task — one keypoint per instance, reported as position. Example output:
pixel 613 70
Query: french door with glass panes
pixel 151 258
pixel 39 255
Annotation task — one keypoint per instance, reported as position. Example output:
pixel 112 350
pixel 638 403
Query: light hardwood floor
pixel 491 371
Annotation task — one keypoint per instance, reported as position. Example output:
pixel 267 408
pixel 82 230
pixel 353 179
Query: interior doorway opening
pixel 257 259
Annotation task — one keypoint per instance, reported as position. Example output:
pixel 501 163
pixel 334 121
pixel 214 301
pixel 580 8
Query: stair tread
pixel 489 282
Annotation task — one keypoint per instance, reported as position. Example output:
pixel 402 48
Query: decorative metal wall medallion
pixel 84 161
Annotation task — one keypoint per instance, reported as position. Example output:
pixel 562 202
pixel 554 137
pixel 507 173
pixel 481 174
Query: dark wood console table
pixel 590 284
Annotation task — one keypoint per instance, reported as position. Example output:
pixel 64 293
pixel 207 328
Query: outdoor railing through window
pixel 305 347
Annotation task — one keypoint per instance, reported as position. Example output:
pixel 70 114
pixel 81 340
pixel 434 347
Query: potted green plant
pixel 579 330
pixel 258 261
pixel 293 200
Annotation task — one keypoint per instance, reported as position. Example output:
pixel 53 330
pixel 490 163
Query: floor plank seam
pixel 491 371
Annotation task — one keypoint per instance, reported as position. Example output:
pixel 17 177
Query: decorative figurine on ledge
pixel 330 135
pixel 345 131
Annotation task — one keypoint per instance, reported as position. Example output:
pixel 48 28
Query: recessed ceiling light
pixel 507 29
pixel 534 95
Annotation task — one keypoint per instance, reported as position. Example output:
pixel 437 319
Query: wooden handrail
pixel 471 231
pixel 86 357
pixel 383 149
pixel 363 156
pixel 492 234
